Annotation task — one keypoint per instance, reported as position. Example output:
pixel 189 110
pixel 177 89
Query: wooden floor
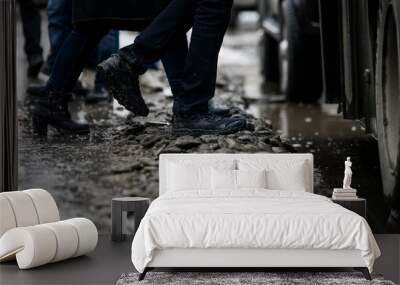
pixel 110 260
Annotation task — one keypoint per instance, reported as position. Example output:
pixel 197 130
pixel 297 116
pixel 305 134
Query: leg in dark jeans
pixel 60 26
pixel 31 21
pixel 108 45
pixel 71 59
pixel 210 24
pixel 176 18
pixel 210 20
pixel 52 108
pixel 174 61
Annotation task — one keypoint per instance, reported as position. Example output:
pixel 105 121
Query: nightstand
pixel 119 209
pixel 357 205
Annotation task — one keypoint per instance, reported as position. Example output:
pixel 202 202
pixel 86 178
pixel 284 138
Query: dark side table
pixel 120 207
pixel 357 205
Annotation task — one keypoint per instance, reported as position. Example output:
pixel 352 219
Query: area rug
pixel 244 278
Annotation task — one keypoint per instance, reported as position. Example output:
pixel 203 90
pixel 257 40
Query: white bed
pixel 248 227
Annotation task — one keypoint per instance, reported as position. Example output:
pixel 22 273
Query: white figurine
pixel 347 174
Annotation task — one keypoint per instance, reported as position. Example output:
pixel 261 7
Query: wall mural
pixel 119 156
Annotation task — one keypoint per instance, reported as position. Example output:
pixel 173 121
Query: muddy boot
pixel 206 123
pixel 52 110
pixel 97 95
pixel 120 73
pixel 219 111
pixel 34 65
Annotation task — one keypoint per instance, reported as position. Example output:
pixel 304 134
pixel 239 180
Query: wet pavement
pixel 119 157
pixel 318 129
pixel 323 132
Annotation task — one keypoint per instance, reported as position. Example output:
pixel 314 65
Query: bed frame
pixel 251 258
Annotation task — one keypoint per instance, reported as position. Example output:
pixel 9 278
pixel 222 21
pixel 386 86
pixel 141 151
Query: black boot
pixel 206 123
pixel 34 65
pixel 52 109
pixel 219 111
pixel 211 108
pixel 97 95
pixel 120 73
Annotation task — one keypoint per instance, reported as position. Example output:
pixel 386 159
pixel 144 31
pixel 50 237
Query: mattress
pixel 251 219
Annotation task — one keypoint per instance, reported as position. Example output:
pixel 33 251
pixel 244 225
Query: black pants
pixel 31 21
pixel 81 43
pixel 209 20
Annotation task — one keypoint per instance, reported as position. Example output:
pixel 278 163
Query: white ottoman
pixel 31 233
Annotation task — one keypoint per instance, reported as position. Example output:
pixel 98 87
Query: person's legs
pixel 149 46
pixel 177 18
pixel 107 46
pixel 60 26
pixel 209 19
pixel 31 22
pixel 52 107
pixel 210 23
pixel 192 114
pixel 174 61
pixel 71 59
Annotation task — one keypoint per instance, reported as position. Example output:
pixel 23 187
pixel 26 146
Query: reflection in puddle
pixel 323 132
pixel 298 122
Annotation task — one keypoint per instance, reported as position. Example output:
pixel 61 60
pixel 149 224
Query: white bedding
pixel 250 219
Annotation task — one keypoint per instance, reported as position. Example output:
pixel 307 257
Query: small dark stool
pixel 119 209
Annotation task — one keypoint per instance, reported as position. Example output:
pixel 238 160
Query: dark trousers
pixel 60 27
pixel 71 59
pixel 31 21
pixel 209 20
pixel 80 43
pixel 59 13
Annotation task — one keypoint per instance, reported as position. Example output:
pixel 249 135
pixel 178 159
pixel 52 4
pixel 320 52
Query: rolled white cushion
pixel 46 207
pixel 33 246
pixel 37 245
pixel 87 235
pixel 26 208
pixel 67 240
pixel 7 218
pixel 23 208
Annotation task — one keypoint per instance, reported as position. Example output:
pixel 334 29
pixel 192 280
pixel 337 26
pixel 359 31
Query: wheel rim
pixel 391 90
pixel 283 57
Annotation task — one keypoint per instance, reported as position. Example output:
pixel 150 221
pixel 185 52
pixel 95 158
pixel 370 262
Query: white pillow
pixel 223 179
pixel 185 175
pixel 281 174
pixel 251 179
pixel 231 180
